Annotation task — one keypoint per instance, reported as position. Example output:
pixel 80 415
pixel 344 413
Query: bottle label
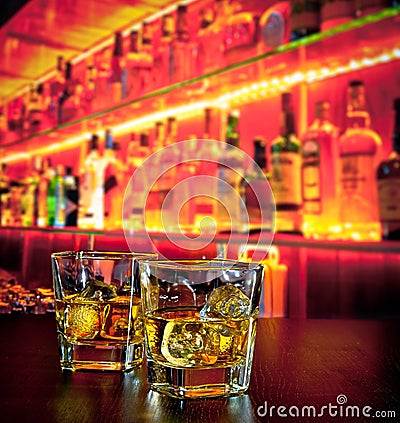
pixel 389 199
pixel 273 31
pixel 286 178
pixel 311 177
pixel 358 182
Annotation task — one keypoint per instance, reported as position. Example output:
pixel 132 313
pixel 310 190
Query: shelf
pixel 44 29
pixel 283 240
pixel 362 43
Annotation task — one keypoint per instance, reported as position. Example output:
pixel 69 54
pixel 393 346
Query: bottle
pixel 319 158
pixel 114 188
pixel 35 108
pixel 31 183
pixel 69 101
pixel 89 93
pixel 162 53
pixel 118 74
pixel 357 148
pixel 180 59
pixel 304 18
pixel 388 176
pixel 52 196
pixel 91 189
pixel 4 190
pixel 71 198
pixel 56 89
pixel 211 38
pixel 336 12
pixel 230 171
pixel 286 172
pixel 138 151
pixel 3 126
pixel 257 179
pixel 44 180
pixel 168 162
pixel 140 61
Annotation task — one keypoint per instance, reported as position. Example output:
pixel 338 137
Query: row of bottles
pixel 168 50
pixel 328 185
pixel 325 184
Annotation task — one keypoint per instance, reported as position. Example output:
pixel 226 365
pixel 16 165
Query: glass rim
pixel 200 264
pixel 98 254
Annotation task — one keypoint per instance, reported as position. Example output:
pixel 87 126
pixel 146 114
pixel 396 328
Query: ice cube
pixel 226 302
pixel 83 321
pixel 98 290
pixel 188 344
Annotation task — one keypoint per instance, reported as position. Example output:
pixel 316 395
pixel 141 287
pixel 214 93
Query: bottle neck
pixel 287 123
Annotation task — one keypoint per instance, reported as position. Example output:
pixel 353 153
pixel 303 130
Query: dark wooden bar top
pixel 298 363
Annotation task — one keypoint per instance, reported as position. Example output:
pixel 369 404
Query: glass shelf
pixel 361 43
pixel 284 240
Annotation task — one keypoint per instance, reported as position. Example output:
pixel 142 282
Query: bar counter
pixel 298 363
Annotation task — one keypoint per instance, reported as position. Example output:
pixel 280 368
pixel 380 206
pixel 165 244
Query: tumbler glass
pixel 200 325
pixel 98 309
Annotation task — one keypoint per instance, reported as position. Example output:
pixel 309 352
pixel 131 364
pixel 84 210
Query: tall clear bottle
pixel 114 187
pixel 91 189
pixel 388 175
pixel 286 172
pixel 230 170
pixel 319 158
pixel 358 147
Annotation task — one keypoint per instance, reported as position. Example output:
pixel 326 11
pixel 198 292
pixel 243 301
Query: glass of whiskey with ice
pixel 98 309
pixel 200 321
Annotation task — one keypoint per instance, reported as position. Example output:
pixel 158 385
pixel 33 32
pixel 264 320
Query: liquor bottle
pixel 35 108
pixel 3 126
pixel 319 158
pixel 357 148
pixel 114 188
pixel 118 71
pixel 89 93
pixel 54 196
pixel 29 200
pixel 388 175
pixel 91 189
pixel 46 174
pixel 286 172
pixel 56 89
pixel 304 18
pixel 103 81
pixel 336 12
pixel 138 151
pixel 69 101
pixel 255 183
pixel 162 53
pixel 211 38
pixel 4 191
pixel 16 113
pixel 71 197
pixel 230 171
pixel 140 61
pixel 181 61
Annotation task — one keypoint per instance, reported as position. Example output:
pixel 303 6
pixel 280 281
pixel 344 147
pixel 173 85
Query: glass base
pixel 100 357
pixel 198 383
